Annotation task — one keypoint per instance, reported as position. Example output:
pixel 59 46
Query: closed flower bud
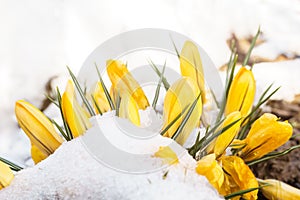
pixel 191 66
pixel 38 128
pixel 180 95
pixel 122 81
pixel 241 93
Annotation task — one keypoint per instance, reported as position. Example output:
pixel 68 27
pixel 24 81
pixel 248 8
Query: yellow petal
pixel 191 66
pixel 122 80
pixel 279 190
pixel 241 93
pixel 100 99
pixel 6 175
pixel 37 155
pixel 181 94
pixel 167 154
pixel 265 135
pixel 209 167
pixel 241 174
pixel 37 127
pixel 74 114
pixel 129 109
pixel 112 93
pixel 225 139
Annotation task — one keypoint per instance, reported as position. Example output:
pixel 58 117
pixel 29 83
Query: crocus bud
pixel 191 66
pixel 122 81
pixel 219 145
pixel 278 190
pixel 241 93
pixel 129 109
pixel 180 95
pixel 38 128
pixel 74 114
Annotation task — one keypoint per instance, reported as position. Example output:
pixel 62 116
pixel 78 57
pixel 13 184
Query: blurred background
pixel 38 38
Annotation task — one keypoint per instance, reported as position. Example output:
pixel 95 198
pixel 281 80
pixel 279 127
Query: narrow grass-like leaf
pixel 158 87
pixel 230 62
pixel 165 175
pixel 51 100
pixel 251 117
pixel 251 47
pixel 186 118
pixel 60 130
pixel 237 145
pixel 173 121
pixel 214 128
pixel 197 140
pixel 294 136
pixel 174 45
pixel 96 105
pixel 11 165
pixel 81 93
pixel 266 99
pixel 205 141
pixel 230 74
pixel 108 97
pixel 214 98
pixel 198 135
pixel 241 192
pixel 85 89
pixel 66 126
pixel 118 102
pixel 209 131
pixel 273 155
pixel 155 68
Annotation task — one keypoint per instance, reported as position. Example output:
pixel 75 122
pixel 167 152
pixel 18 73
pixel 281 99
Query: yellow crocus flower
pixel 241 93
pixel 38 128
pixel 228 175
pixel 6 175
pixel 240 175
pixel 191 66
pixel 278 190
pixel 181 94
pixel 167 154
pixel 74 114
pixel 122 80
pixel 129 109
pixel 100 98
pixel 219 145
pixel 265 135
pixel 208 166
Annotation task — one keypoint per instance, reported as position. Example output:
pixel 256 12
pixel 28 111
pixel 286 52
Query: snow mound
pixel 73 173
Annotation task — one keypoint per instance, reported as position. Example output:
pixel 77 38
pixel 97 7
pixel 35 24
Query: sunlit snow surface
pixel 72 173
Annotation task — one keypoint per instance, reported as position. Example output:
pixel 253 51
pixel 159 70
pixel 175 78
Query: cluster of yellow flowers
pixel 181 114
pixel 229 174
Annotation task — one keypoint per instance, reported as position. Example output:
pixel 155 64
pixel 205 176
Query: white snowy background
pixel 38 38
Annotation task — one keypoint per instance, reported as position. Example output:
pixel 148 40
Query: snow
pixel 73 173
